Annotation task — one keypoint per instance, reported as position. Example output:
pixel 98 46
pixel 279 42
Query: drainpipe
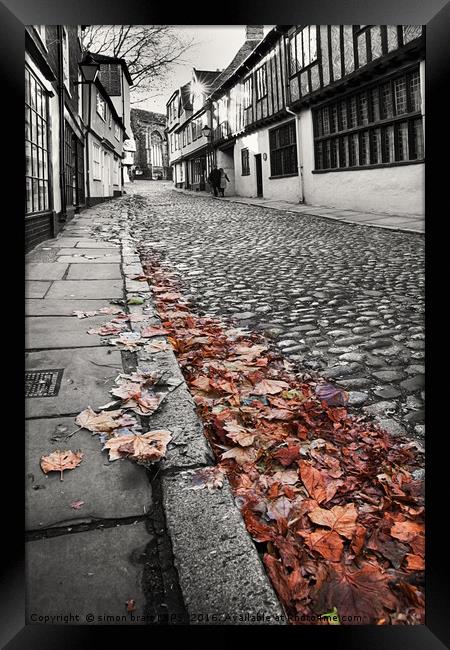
pixel 62 184
pixel 88 170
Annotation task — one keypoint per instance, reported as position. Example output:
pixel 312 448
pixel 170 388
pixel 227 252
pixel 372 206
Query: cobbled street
pixel 343 301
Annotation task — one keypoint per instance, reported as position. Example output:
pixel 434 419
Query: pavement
pixel 140 535
pixel 343 300
pixel 402 222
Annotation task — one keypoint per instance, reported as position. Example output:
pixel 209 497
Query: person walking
pixel 223 181
pixel 214 179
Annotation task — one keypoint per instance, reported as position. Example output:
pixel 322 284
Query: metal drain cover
pixel 43 383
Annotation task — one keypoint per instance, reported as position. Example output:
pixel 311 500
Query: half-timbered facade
pixel 358 91
pixel 328 115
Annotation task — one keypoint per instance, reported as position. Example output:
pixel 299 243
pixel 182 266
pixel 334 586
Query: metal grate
pixel 43 383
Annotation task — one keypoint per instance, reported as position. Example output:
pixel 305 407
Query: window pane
pixel 386 101
pixel 34 160
pixel 343 115
pixel 27 87
pixel 28 196
pixel 353 113
pixel 33 127
pixel 326 120
pixel 35 195
pixel 414 91
pixel 363 109
pixel 401 132
pixel 28 168
pixel 364 148
pixel 27 124
pixel 417 148
pixel 400 96
pixel 387 144
pixel 334 119
pixel 354 150
pixel 374 105
pixel 376 157
pixel 32 92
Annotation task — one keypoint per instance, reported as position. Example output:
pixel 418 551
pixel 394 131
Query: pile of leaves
pixel 119 431
pixel 330 499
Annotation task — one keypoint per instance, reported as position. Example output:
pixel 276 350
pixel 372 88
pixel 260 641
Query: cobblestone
pixel 328 288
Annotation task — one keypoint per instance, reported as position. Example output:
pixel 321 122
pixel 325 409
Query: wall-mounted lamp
pixel 89 69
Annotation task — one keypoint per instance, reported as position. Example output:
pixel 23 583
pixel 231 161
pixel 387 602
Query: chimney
pixel 254 32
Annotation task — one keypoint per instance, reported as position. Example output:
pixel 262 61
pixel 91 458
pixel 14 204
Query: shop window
pixel 36 146
pixel 283 150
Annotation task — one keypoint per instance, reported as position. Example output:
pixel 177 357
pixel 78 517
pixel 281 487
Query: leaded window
pixel 36 146
pixel 245 162
pixel 283 150
pixel 380 125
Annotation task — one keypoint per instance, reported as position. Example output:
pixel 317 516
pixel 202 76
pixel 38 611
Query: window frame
pixel 245 162
pixel 96 147
pixel 291 145
pixel 39 146
pixel 102 99
pixel 380 139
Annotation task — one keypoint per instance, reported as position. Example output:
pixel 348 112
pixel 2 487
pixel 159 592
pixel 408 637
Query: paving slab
pixel 89 252
pixel 46 332
pixel 55 307
pixel 67 289
pixel 94 271
pixel 109 490
pixel 84 383
pixel 78 242
pixel 91 573
pixel 74 259
pixel 218 566
pixel 36 288
pixel 45 271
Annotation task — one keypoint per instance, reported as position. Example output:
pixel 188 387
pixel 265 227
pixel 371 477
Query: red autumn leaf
pixel 356 592
pixel 202 383
pixel 406 531
pixel 278 577
pixel 59 461
pixel 287 455
pixel 415 562
pixel 313 481
pixel 342 519
pixel 326 542
pixel 358 540
pixel 279 508
pixel 239 434
pixel 240 455
pixel 260 531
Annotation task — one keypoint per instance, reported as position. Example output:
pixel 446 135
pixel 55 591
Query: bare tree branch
pixel 149 50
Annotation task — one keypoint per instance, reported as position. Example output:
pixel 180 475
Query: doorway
pixel 259 179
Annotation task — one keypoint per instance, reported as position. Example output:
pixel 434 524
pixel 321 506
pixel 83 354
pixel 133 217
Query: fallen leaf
pixel 313 481
pixel 98 422
pixel 84 314
pixel 58 461
pixel 157 346
pixel 326 542
pixel 148 447
pixel 342 519
pixel 148 332
pixel 279 508
pixel 239 434
pixel 76 505
pixel 406 531
pixel 241 455
pixel 287 455
pixel 207 477
pixel 269 387
pixel 415 562
pixel 131 605
pixel 331 395
pixel 356 591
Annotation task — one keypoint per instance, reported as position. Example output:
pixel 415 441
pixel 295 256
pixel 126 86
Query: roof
pixel 103 58
pixel 148 116
pixel 243 53
pixel 207 77
pixel 248 55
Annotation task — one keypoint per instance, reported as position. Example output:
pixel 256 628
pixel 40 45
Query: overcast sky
pixel 214 48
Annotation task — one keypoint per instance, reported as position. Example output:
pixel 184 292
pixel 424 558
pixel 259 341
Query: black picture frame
pixel 435 14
